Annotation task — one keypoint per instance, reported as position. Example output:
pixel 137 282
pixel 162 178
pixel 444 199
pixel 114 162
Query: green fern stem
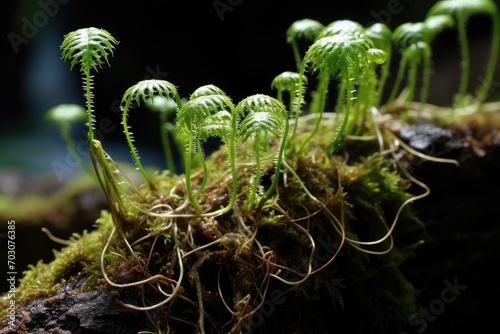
pixel 323 89
pixel 412 78
pixel 383 78
pixel 88 97
pixel 358 108
pixel 296 53
pixel 133 150
pixel 300 94
pixel 169 159
pixel 205 173
pixel 281 155
pixel 349 90
pixel 492 62
pixel 232 160
pixel 465 64
pixel 187 162
pixel 399 77
pixel 426 83
pixel 258 171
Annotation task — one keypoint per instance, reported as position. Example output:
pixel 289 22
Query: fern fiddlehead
pixel 415 40
pixel 141 92
pixel 306 30
pixel 91 49
pixel 208 113
pixel 265 120
pixel 344 56
pixel 288 82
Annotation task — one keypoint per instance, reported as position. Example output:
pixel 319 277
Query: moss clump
pixel 76 265
pixel 317 238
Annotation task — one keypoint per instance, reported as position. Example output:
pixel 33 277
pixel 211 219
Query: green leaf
pixel 90 47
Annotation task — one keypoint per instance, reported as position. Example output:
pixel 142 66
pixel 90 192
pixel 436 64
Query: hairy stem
pixel 205 172
pixel 399 78
pixel 322 90
pixel 88 96
pixel 281 153
pixel 187 162
pixel 342 128
pixel 169 160
pixel 258 172
pixel 133 150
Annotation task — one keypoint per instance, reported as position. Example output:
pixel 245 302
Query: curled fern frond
pixel 144 91
pixel 414 40
pixel 337 54
pixel 261 127
pixel 91 49
pixel 305 30
pixel 438 23
pixel 194 112
pixel 463 7
pixel 285 81
pixel 265 120
pixel 202 117
pixel 381 36
pixel 411 33
pixel 343 56
pixel 461 10
pixel 288 82
pixel 147 90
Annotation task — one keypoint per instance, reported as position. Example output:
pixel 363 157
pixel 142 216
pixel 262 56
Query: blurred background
pixel 237 45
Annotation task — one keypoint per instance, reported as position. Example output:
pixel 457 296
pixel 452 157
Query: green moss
pixel 297 239
pixel 78 261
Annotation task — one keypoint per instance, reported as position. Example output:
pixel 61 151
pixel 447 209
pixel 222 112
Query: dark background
pixel 240 48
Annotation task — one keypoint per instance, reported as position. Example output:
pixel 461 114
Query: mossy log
pixel 305 269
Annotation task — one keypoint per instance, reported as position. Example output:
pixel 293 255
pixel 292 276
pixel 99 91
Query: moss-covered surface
pixel 299 264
